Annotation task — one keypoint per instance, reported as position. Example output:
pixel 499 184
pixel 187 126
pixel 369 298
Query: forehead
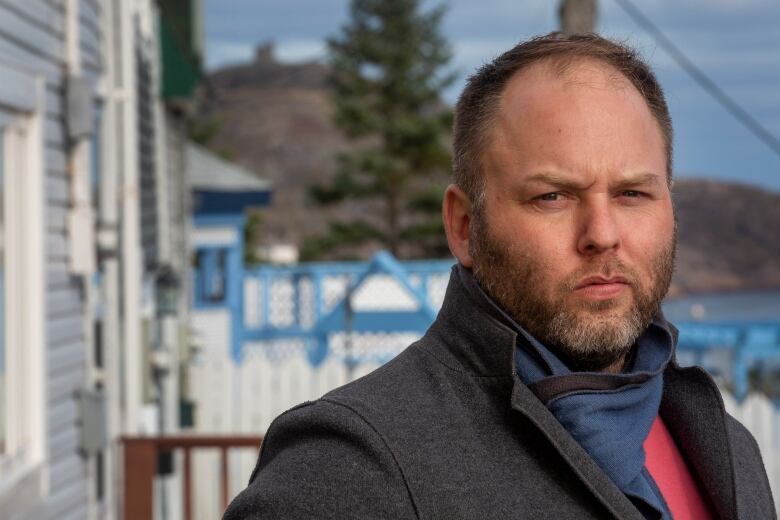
pixel 549 82
pixel 586 118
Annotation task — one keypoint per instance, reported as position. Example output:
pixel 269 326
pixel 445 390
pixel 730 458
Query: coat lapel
pixel 693 410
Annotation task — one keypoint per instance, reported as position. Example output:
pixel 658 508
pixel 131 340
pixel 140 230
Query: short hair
pixel 480 99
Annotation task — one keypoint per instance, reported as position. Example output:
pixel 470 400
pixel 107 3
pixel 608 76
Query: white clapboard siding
pixel 32 39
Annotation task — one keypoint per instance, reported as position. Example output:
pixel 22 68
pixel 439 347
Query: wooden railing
pixel 141 455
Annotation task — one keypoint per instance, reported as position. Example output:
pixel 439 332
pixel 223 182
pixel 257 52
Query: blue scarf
pixel 610 415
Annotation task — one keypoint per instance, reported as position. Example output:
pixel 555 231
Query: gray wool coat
pixel 447 430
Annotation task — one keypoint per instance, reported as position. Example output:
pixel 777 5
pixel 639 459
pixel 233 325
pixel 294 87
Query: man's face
pixel 576 236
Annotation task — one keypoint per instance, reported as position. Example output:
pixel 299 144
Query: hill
pixel 729 237
pixel 275 119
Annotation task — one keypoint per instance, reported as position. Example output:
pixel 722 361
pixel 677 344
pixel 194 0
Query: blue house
pixel 221 193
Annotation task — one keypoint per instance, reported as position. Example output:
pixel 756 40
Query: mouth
pixel 601 288
pixel 600 280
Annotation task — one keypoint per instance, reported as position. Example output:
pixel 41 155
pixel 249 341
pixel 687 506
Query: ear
pixel 457 223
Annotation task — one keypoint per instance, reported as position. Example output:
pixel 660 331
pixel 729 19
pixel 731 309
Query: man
pixel 547 386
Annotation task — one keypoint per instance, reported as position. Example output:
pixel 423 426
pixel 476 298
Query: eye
pixel 555 200
pixel 632 194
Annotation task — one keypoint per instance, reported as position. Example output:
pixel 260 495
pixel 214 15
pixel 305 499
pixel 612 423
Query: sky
pixel 734 42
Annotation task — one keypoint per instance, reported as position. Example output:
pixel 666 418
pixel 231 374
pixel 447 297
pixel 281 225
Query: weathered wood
pixel 140 458
pixel 156 445
pixel 223 462
pixel 187 483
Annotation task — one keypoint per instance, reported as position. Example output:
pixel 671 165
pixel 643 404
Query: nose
pixel 599 232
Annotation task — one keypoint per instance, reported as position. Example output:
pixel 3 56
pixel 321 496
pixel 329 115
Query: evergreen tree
pixel 387 78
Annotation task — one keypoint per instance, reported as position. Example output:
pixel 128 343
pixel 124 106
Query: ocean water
pixel 725 307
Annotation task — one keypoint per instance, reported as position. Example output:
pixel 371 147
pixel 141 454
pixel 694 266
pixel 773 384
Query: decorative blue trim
pixel 749 342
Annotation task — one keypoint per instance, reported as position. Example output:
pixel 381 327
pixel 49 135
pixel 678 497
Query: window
pixel 22 274
pixel 211 267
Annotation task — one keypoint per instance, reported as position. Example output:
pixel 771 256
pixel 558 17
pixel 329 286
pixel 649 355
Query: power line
pixel 701 78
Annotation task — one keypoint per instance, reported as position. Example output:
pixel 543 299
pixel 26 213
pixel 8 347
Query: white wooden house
pixel 93 244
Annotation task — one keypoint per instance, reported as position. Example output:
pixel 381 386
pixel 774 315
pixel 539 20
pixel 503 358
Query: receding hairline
pixel 480 101
pixel 556 66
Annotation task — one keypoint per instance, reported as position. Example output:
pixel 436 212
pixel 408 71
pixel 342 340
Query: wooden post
pixel 140 468
pixel 187 485
pixel 140 459
pixel 577 16
pixel 223 459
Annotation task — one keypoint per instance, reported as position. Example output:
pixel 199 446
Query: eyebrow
pixel 555 179
pixel 563 181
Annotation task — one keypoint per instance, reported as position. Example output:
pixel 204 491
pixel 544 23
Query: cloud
pixel 221 53
pixel 734 42
pixel 295 50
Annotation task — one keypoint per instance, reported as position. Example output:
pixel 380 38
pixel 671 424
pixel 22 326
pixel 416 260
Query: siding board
pixel 50 172
pixel 65 358
pixel 54 104
pixel 38 13
pixel 59 331
pixel 53 137
pixel 89 9
pixel 89 42
pixel 32 39
pixel 23 59
pixel 30 36
pixel 66 469
pixel 90 55
pixel 55 218
pixel 92 74
pixel 89 24
pixel 57 189
pixel 67 502
pixel 63 416
pixel 56 4
pixel 55 248
pixel 57 276
pixel 56 159
pixel 65 385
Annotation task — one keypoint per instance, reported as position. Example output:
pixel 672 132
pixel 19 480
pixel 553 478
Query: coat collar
pixel 693 411
pixel 475 338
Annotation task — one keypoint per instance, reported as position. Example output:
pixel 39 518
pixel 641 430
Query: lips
pixel 600 280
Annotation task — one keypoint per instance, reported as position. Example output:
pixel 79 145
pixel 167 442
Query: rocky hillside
pixel 729 237
pixel 275 119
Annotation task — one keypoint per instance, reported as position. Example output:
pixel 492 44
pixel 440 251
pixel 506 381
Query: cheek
pixel 651 244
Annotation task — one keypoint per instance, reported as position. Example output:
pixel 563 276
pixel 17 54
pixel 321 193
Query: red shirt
pixel 672 475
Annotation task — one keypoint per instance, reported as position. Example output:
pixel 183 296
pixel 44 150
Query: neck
pixel 617 367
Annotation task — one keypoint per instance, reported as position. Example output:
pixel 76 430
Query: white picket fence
pixel 236 399
pixel 245 399
pixel 762 417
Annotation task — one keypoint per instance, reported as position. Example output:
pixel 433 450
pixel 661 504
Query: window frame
pixel 22 109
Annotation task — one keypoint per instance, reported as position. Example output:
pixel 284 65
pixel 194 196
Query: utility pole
pixel 577 16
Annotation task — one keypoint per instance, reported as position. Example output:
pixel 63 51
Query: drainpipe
pixel 107 246
pixel 80 109
pixel 129 216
